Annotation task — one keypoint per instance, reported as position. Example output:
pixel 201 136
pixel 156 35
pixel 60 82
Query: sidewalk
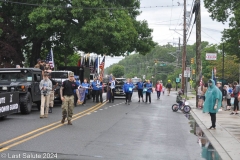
pixel 226 138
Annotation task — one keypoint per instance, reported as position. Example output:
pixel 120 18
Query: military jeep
pixel 24 80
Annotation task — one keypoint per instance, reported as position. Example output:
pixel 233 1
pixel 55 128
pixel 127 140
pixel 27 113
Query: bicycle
pixel 184 107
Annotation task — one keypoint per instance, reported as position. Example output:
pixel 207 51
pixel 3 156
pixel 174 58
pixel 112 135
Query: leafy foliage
pixel 78 24
pixel 118 70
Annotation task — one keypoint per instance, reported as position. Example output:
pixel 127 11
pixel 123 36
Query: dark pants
pixel 148 96
pixel 158 94
pixel 94 93
pixel 75 99
pixel 236 107
pixel 99 95
pixel 228 102
pixel 128 97
pixel 85 99
pixel 140 93
pixel 111 96
pixel 213 119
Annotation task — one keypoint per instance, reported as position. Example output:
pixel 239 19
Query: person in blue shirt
pixel 75 94
pixel 99 92
pixel 149 91
pixel 140 90
pixel 85 85
pixel 94 89
pixel 128 89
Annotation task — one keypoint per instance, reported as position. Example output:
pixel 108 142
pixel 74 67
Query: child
pixel 163 89
pixel 179 98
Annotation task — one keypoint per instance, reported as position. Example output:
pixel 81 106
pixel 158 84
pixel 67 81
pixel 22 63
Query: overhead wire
pixel 87 8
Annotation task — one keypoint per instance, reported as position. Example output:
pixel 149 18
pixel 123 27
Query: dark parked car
pixel 119 86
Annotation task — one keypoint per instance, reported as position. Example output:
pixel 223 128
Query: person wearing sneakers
pixel 169 86
pixel 212 102
pixel 127 89
pixel 67 97
pixel 158 89
pixel 139 86
pixel 149 91
pixel 45 87
pixel 236 91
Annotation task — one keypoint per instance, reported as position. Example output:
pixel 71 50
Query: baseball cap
pixel 71 74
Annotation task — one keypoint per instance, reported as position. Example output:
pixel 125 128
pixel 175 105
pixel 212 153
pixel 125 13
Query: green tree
pixel 79 24
pixel 117 71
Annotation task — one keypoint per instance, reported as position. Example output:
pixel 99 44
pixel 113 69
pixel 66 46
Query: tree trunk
pixel 36 50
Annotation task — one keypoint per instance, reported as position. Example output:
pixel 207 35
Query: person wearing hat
pixel 213 101
pixel 54 85
pixel 169 86
pixel 45 86
pixel 67 97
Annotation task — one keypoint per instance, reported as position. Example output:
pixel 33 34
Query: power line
pixel 87 8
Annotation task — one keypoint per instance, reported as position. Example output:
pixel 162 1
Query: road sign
pixel 187 73
pixel 188 69
pixel 162 64
pixel 177 80
pixel 180 76
pixel 211 56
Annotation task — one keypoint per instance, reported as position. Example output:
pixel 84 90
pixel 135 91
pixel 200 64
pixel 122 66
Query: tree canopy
pixel 103 27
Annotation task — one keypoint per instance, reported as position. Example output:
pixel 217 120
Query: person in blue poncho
pixel 212 102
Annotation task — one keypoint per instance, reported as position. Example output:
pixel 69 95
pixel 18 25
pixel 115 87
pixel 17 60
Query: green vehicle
pixel 24 81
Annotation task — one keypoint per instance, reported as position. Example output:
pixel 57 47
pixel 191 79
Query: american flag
pixel 50 58
pixel 101 66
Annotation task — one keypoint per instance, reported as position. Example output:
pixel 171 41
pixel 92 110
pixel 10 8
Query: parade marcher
pixel 169 87
pixel 127 89
pixel 67 97
pixel 99 92
pixel 45 86
pixel 87 86
pixel 212 102
pixel 132 91
pixel 236 90
pixel 140 90
pixel 51 98
pixel 149 91
pixel 158 89
pixel 76 79
pixel 39 64
pixel 94 89
pixel 112 90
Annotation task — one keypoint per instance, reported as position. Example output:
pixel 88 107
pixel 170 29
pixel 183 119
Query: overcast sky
pixel 164 20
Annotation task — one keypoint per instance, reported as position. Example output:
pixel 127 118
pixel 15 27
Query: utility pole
pixel 184 47
pixel 198 46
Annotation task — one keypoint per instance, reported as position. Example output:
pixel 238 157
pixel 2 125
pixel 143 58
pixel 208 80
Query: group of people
pixel 145 87
pixel 215 97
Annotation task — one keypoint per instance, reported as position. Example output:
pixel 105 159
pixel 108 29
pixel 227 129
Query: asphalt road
pixel 112 131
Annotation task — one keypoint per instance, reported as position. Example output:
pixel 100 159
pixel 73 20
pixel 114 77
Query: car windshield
pixel 120 81
pixel 15 76
pixel 135 80
pixel 59 75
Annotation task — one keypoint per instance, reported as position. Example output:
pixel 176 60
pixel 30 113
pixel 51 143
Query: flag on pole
pixel 50 58
pixel 96 64
pixel 101 66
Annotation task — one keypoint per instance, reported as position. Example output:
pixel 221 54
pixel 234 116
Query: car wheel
pixel 25 103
